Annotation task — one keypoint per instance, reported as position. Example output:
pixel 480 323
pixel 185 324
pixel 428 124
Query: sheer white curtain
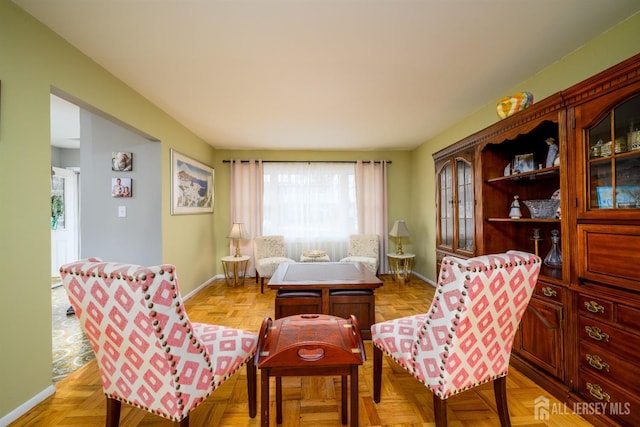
pixel 312 204
pixel 371 190
pixel 246 179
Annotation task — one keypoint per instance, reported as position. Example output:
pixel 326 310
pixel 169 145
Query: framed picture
pixel 122 161
pixel 523 163
pixel 627 196
pixel 121 187
pixel 191 185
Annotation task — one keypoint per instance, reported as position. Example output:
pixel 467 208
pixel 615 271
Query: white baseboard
pixel 27 406
pixel 199 288
pixel 431 282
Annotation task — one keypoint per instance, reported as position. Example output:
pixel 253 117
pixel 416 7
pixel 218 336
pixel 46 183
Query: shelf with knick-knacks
pixel 613 159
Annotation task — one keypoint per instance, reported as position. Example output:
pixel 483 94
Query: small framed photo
pixel 122 161
pixel 523 163
pixel 191 185
pixel 121 187
pixel 627 196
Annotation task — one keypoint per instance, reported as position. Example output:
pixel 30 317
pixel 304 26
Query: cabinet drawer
pixel 595 307
pixel 629 317
pixel 609 254
pixel 605 364
pixel 611 401
pixel 610 339
pixel 549 292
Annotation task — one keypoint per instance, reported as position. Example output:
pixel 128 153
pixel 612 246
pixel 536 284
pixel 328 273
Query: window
pixel 313 205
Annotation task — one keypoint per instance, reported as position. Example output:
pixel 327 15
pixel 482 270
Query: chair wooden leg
pixel 440 411
pixel 252 388
pixel 113 412
pixel 500 390
pixel 377 373
pixel 262 285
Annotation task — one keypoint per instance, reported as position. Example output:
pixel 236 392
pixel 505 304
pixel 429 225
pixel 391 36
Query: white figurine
pixel 515 212
pixel 552 154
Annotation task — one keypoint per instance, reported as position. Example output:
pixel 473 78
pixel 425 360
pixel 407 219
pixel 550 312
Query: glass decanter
pixel 554 257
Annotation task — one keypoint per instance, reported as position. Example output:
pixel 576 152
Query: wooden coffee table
pixel 309 344
pixel 343 288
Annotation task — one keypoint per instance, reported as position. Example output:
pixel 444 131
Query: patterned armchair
pixel 466 337
pixel 269 253
pixel 149 354
pixel 364 248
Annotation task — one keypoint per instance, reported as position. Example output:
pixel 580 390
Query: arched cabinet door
pixel 455 204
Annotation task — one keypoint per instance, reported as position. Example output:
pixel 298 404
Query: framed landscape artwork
pixel 191 185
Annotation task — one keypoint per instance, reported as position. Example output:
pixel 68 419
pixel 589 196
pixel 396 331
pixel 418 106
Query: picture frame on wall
pixel 121 187
pixel 122 161
pixel 191 185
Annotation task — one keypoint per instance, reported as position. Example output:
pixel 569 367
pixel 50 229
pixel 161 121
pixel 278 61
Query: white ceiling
pixel 325 74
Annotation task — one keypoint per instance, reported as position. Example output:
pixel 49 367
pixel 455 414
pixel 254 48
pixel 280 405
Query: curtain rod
pixel 313 161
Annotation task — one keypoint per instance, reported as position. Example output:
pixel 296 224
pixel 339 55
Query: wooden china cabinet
pixel 579 336
pixel 455 201
pixel 604 114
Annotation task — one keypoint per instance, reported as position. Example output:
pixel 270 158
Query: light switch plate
pixel 122 211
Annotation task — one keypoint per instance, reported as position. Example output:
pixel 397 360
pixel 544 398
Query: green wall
pixel 610 48
pixel 34 61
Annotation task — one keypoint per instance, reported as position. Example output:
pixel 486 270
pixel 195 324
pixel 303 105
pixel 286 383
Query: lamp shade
pixel 399 229
pixel 238 231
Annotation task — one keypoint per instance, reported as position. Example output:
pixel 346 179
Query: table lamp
pixel 237 233
pixel 399 230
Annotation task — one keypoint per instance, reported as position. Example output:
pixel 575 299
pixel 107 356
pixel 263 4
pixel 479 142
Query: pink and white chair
pixel 149 354
pixel 466 337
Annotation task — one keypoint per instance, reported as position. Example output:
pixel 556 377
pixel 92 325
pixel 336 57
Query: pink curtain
pixel 371 193
pixel 246 203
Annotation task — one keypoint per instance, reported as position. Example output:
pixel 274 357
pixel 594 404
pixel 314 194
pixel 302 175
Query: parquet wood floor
pixel 308 401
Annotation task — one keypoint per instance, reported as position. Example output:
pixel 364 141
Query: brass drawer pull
pixel 596 333
pixel 548 292
pixel 596 362
pixel 593 307
pixel 596 391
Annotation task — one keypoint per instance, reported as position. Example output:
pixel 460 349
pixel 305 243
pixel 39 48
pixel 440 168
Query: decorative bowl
pixel 314 253
pixel 510 105
pixel 543 208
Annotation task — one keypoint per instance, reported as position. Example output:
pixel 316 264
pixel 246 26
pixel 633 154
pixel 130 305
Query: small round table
pixel 401 266
pixel 235 269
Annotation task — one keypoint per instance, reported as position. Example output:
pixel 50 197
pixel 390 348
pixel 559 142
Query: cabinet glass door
pixel 614 159
pixel 446 205
pixel 465 205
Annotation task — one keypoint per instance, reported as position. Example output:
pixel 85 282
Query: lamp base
pixel 399 251
pixel 238 254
